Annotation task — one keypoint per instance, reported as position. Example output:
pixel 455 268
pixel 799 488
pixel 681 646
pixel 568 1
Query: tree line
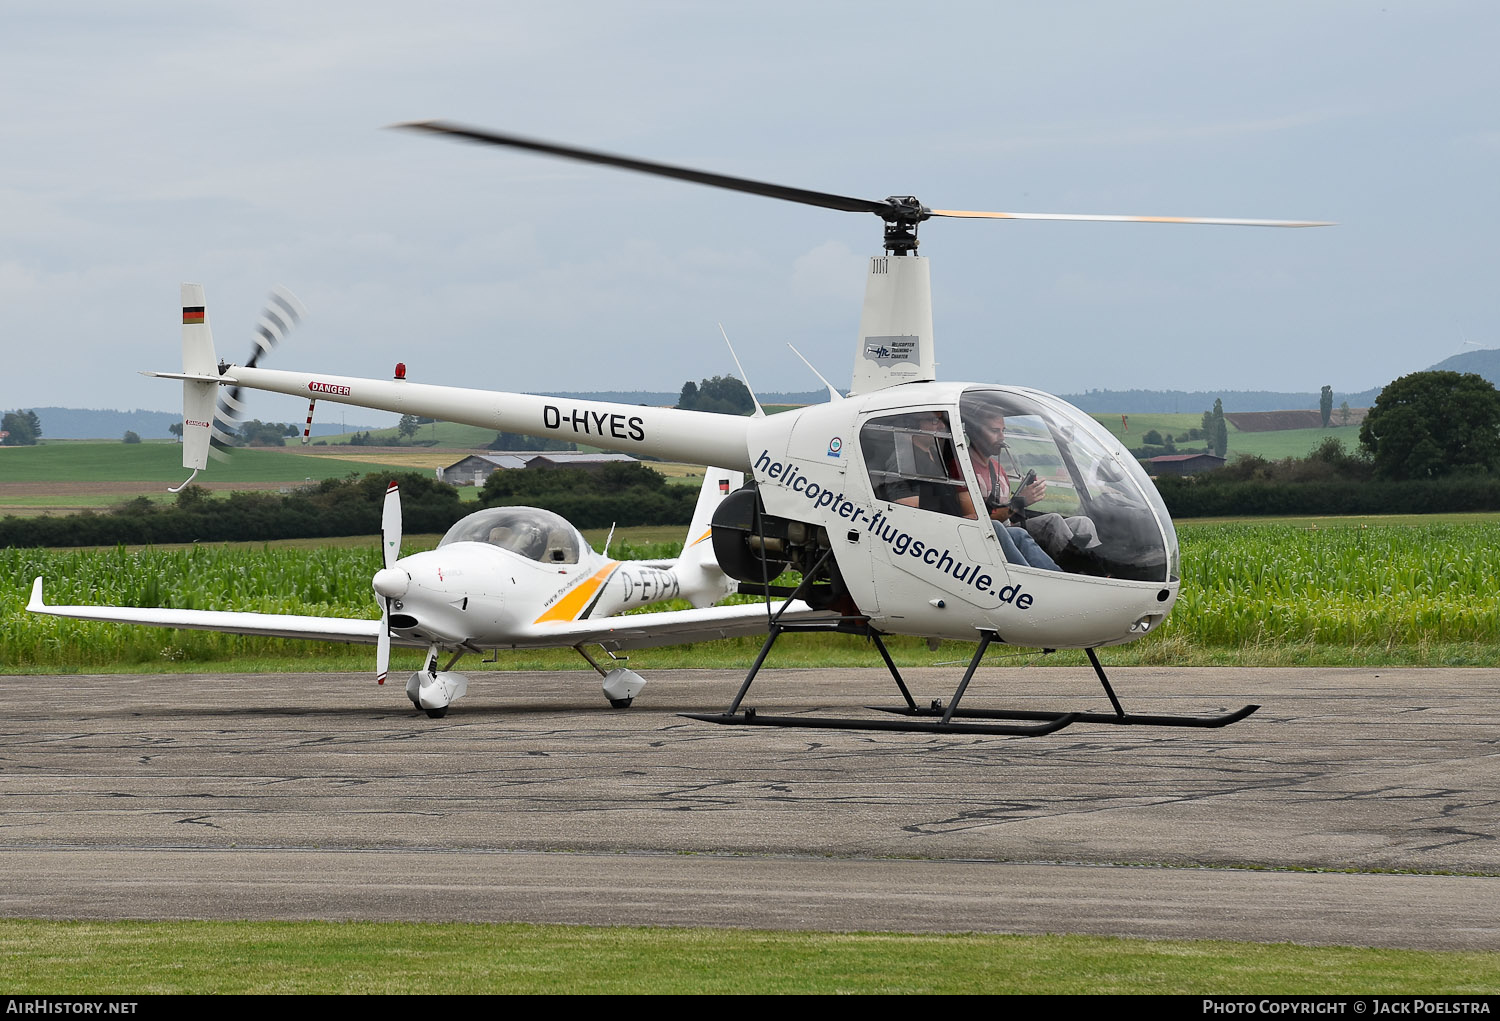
pixel 1430 443
pixel 21 428
pixel 347 506
pixel 623 494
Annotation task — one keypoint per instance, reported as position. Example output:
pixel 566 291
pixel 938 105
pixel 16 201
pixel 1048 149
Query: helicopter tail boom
pixel 672 434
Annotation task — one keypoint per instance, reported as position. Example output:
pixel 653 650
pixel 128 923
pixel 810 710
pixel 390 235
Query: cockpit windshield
pixel 1044 466
pixel 534 534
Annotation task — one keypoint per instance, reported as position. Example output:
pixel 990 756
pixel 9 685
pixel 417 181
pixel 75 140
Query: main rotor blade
pixel 775 191
pixel 1131 219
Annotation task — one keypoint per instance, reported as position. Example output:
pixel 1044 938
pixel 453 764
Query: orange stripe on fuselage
pixel 572 604
pixel 700 538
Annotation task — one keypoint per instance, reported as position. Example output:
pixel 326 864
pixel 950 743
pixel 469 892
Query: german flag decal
pixel 192 315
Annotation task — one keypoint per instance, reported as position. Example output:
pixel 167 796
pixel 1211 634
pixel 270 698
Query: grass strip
pixel 39 957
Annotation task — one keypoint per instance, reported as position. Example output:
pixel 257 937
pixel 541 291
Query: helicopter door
pixel 925 525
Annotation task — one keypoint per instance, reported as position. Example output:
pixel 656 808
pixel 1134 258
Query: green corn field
pixel 1250 592
pixel 1390 586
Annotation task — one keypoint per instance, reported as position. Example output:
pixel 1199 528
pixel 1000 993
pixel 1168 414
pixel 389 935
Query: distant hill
pixel 1140 402
pixel 1485 363
pixel 92 424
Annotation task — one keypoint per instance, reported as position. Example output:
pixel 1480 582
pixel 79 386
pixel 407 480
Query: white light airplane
pixel 504 578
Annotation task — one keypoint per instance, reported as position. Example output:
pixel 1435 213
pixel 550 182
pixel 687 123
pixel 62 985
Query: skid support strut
pixel 1119 717
pixel 733 716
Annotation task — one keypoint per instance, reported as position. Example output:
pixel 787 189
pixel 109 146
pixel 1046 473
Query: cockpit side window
pixel 911 460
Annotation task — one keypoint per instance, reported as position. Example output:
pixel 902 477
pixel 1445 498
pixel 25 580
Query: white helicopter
pixel 994 513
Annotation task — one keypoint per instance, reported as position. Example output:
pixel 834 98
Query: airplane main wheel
pixel 621 703
pixel 438 714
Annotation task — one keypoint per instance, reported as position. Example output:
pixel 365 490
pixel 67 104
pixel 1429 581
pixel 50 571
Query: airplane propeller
pixel 389 583
pixel 282 312
pixel 901 213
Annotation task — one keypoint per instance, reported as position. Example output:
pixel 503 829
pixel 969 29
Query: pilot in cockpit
pixel 1062 537
pixel 525 538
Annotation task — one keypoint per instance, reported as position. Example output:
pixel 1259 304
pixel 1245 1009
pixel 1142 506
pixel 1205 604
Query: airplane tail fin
pixel 200 379
pixel 703 583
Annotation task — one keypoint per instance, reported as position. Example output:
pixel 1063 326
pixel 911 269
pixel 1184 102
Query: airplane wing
pixel 630 631
pixel 667 627
pixel 274 625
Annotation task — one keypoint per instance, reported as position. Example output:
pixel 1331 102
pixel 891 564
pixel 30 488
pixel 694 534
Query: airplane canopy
pixel 529 532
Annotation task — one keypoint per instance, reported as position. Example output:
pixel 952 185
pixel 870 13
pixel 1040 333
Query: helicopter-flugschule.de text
pixel 902 543
pixel 595 423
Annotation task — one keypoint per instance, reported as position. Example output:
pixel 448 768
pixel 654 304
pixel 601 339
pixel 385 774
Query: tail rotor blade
pixel 282 312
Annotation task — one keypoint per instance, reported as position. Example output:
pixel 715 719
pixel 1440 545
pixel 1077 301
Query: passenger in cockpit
pixel 922 471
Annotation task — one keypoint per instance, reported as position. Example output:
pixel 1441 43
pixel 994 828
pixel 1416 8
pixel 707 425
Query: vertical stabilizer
pixel 703 583
pixel 895 327
pixel 198 395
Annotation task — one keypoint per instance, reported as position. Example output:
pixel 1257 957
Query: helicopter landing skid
pixel 750 718
pixel 1119 717
pixel 1045 722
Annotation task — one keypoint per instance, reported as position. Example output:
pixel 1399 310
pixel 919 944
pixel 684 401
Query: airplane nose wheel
pixel 430 685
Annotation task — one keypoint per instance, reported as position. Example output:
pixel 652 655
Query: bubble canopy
pixel 1088 473
pixel 529 532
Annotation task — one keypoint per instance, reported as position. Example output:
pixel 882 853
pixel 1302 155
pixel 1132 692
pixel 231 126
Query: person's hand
pixel 1034 492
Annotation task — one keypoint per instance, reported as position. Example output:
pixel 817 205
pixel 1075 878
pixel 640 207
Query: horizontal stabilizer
pixel 189 376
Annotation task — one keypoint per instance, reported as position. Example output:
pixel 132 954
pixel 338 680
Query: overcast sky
pixel 243 145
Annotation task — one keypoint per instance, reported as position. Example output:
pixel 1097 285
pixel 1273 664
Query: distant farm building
pixel 1185 464
pixel 474 469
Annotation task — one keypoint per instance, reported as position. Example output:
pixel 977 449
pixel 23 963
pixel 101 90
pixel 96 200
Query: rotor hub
pixel 901 214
